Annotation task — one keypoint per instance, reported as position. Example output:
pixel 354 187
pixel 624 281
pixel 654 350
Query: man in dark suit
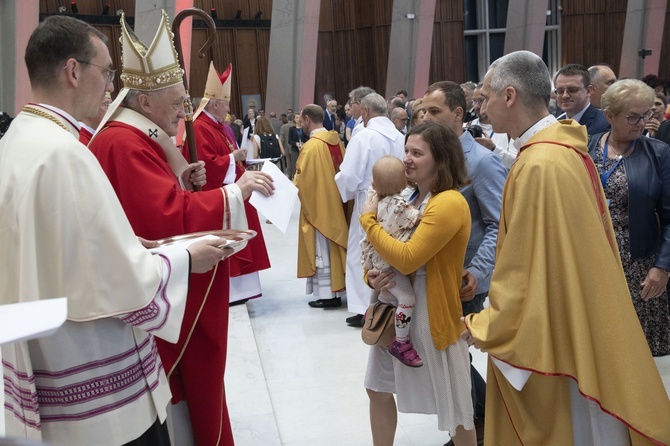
pixel 573 93
pixel 329 115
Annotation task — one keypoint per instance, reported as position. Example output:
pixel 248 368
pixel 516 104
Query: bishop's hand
pixel 194 175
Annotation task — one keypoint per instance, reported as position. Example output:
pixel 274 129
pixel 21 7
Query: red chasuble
pixel 157 207
pixel 215 145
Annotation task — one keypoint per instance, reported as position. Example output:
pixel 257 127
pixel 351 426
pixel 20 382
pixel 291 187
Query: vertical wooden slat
pixel 592 31
pixel 447 60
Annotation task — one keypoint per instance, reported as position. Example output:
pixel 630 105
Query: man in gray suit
pixel 445 102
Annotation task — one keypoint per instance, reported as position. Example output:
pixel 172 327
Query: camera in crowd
pixel 476 131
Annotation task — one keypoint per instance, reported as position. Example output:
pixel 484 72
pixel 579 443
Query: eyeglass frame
pixel 109 73
pixel 646 117
pixel 570 90
pixel 478 101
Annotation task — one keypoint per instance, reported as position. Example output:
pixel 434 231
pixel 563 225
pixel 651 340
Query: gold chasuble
pixel 560 307
pixel 321 208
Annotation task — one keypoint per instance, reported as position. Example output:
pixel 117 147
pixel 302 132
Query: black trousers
pixel 478 388
pixel 156 435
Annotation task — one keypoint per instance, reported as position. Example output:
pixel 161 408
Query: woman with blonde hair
pixel 417 114
pixel 635 174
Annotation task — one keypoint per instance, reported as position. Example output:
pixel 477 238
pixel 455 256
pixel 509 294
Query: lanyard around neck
pixel 605 175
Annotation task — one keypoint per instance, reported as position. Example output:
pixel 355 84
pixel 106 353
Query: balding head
pixel 399 118
pixel 602 77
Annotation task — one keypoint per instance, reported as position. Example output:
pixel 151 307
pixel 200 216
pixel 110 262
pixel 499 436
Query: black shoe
pixel 355 321
pixel 335 302
pixel 239 302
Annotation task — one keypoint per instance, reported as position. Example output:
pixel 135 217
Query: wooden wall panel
pixel 346 79
pixel 353 47
pixel 573 37
pixel 200 67
pixel 128 7
pixel 247 59
pixel 227 9
pixel 664 68
pixel 592 31
pixel 447 60
pixel 382 38
pixel 89 7
pixel 327 69
pixel 246 49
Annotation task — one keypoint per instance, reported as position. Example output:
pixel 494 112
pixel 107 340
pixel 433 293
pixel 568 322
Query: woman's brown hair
pixel 263 126
pixel 445 146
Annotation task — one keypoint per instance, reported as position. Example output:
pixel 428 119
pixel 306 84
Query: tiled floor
pixel 295 374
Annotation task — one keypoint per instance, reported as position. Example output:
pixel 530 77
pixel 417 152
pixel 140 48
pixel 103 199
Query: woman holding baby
pixel 433 257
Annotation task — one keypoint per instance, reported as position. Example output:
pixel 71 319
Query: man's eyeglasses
pixel 635 119
pixel 108 72
pixel 477 101
pixel 571 91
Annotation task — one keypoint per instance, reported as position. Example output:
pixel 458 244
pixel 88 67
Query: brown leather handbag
pixel 379 325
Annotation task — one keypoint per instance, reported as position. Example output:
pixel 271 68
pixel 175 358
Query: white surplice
pixel 98 379
pixel 378 138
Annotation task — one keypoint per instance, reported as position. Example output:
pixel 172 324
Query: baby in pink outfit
pixel 398 218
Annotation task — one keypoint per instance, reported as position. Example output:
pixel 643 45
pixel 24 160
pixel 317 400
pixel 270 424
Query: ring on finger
pixel 259 181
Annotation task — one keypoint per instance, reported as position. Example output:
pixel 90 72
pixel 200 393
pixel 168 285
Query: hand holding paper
pixel 278 207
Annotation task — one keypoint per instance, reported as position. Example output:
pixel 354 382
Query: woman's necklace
pixel 605 174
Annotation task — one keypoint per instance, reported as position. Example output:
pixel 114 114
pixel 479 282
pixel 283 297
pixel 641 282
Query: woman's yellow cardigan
pixel 439 242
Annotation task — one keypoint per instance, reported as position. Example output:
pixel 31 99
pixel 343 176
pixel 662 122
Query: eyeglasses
pixel 570 91
pixel 477 101
pixel 107 72
pixel 635 119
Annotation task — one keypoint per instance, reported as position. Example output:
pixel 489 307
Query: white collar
pixel 320 129
pixel 579 115
pixel 211 116
pixel 64 114
pixel 535 128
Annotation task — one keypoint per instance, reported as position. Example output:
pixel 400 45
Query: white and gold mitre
pixel 217 87
pixel 151 68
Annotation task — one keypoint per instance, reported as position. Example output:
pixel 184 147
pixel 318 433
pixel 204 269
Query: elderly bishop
pixel 153 181
pixel 224 163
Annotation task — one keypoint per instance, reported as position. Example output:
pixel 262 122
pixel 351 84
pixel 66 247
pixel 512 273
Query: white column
pixel 292 60
pixel 411 45
pixel 645 20
pixel 18 19
pixel 526 21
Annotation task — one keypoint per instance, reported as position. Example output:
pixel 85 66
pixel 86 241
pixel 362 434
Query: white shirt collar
pixel 83 125
pixel 320 129
pixel 579 115
pixel 64 114
pixel 211 116
pixel 535 128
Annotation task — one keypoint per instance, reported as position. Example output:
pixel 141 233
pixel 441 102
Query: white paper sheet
pixel 516 377
pixel 247 144
pixel 29 320
pixel 262 160
pixel 278 207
